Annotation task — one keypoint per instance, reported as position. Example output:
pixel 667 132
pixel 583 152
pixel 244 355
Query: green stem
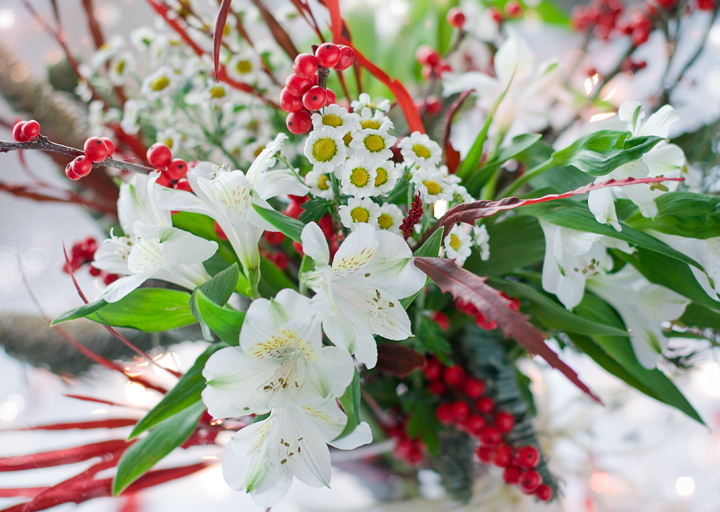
pixel 253 276
pixel 535 171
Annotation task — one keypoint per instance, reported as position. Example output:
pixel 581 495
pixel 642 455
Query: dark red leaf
pixel 279 33
pixel 61 457
pixel 447 125
pixel 218 34
pixel 21 491
pixel 398 359
pixel 81 425
pixel 101 401
pixel 465 285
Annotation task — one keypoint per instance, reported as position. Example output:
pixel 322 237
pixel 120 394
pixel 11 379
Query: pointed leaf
pixel 430 248
pixel 683 214
pixel 218 34
pixel 398 360
pixel 220 288
pixel 288 226
pixel 350 402
pixel 223 321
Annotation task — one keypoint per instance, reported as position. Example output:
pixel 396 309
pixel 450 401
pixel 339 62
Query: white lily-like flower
pixel 228 197
pixel 263 458
pixel 359 294
pixel 662 160
pixel 280 361
pixel 642 306
pixel 137 202
pixel 571 258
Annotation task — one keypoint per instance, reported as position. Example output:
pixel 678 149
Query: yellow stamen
pixel 385 221
pixel 455 241
pixel 347 139
pixel 324 150
pixel 421 151
pixel 217 92
pixel 244 66
pixel 374 143
pixel 359 177
pixel 258 151
pixel 433 187
pixel 323 182
pixel 332 120
pixel 120 67
pixel 370 124
pixel 159 83
pixel 360 214
pixel 381 178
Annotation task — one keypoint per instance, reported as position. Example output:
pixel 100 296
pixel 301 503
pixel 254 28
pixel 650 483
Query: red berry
pixel 299 122
pixel 641 65
pixel 484 324
pixel 327 55
pixel 273 237
pixel 640 36
pixel 706 5
pixel 427 55
pixel 219 231
pixel 513 8
pixel 94 271
pixel 17 132
pixel 444 413
pixel 108 279
pixel 427 71
pixel 456 17
pixel 441 319
pixel 496 15
pixel 177 169
pixel 591 71
pixel 326 225
pixel 163 180
pixel 305 65
pixel 31 129
pixel 432 368
pixel 474 424
pixel 503 456
pixel 624 27
pixel 159 155
pixel 437 387
pixel 299 199
pixel 81 166
pixel 489 436
pixel 460 411
pixel 347 57
pixel 485 454
pixel 530 481
pixel 280 260
pixel 95 149
pixel 485 405
pixel 70 173
pixel 331 97
pixel 442 67
pixel 109 144
pixel 504 421
pixel 314 98
pixel 512 475
pixel 294 210
pixel 298 248
pixel 474 388
pixel 466 307
pixel 544 493
pixel 527 457
pixel 297 85
pixel 183 185
pixel 454 375
pixel 290 102
pixel 434 105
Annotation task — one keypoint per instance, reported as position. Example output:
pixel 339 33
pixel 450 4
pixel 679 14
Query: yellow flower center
pixel 455 241
pixel 374 143
pixel 347 139
pixel 168 142
pixel 332 120
pixel 381 178
pixel 421 151
pixel 217 92
pixel 159 83
pixel 324 150
pixel 359 177
pixel 385 221
pixel 323 182
pixel 433 187
pixel 258 151
pixel 120 67
pixel 227 30
pixel 244 66
pixel 369 124
pixel 360 214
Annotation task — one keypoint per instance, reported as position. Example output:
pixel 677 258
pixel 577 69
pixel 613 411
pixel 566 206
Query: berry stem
pixel 323 74
pixel 42 143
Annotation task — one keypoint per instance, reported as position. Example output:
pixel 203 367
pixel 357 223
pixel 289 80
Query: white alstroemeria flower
pixel 336 117
pixel 137 202
pixel 262 458
pixel 458 244
pixel 704 251
pixel 432 185
pixel 571 258
pixel 121 66
pixel 159 84
pixel 228 197
pixel 217 93
pixel 374 121
pixel 421 150
pixel 244 67
pixel 390 218
pixel 357 176
pixel 364 101
pixel 481 239
pixel 374 144
pixel 325 149
pixel 359 294
pixel 662 160
pixel 386 177
pixel 158 252
pixel 642 306
pixel 320 185
pixel 280 361
pixel 359 211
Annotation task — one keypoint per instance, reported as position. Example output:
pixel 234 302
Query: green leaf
pixel 599 153
pixel 273 279
pixel 288 226
pixel 423 422
pixel 223 321
pixel 699 316
pixel 683 214
pixel 432 337
pixel 430 248
pixel 315 209
pixel 350 402
pixel 148 451
pixel 145 309
pixel 183 395
pixel 221 287
pixel 517 146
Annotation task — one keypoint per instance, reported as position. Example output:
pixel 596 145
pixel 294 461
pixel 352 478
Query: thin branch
pixel 93 24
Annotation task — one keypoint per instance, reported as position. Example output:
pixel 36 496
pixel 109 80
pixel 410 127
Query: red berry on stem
pixel 496 15
pixel 314 98
pixel 289 102
pixel 109 144
pixel 273 237
pixel 432 368
pixel 530 481
pixel 163 180
pixel 456 17
pixel 640 36
pixel 81 166
pixel 31 129
pixel 442 67
pixel 437 387
pixel 434 105
pixel 17 132
pixel 347 57
pixel 474 388
pixel 70 173
pixel 177 169
pixel 512 475
pixel 331 97
pixel 485 405
pixel 527 457
pixel 108 279
pixel 513 8
pixel 485 454
pixel 294 210
pixel 444 413
pixel 280 260
pixel 183 185
pixel 305 65
pixel 441 319
pixel 454 375
pixel 504 421
pixel 95 149
pixel 219 231
pixel 490 436
pixel 299 122
pixel 460 411
pixel 706 5
pixel 503 456
pixel 427 55
pixel 94 271
pixel 297 85
pixel 159 155
pixel 298 248
pixel 327 55
pixel 475 424
pixel 544 493
pixel 481 322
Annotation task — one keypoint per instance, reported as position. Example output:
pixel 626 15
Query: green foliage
pixel 683 214
pixel 222 320
pixel 314 210
pixel 454 463
pixel 218 290
pixel 350 402
pixel 291 228
pixel 517 145
pixel 273 279
pixel 422 419
pixel 431 248
pixel 433 339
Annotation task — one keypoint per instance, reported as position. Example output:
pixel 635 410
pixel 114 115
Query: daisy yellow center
pixel 159 83
pixel 217 92
pixel 168 142
pixel 374 143
pixel 360 214
pixel 258 151
pixel 244 66
pixel 332 120
pixel 347 139
pixel 323 182
pixel 227 30
pixel 421 151
pixel 381 177
pixel 455 241
pixel 324 150
pixel 385 221
pixel 433 187
pixel 369 124
pixel 120 67
pixel 359 177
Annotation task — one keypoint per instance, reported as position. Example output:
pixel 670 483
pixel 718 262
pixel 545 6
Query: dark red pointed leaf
pixel 81 425
pixel 27 492
pixel 465 285
pixel 398 359
pixel 101 401
pixel 61 457
pixel 218 34
pixel 281 36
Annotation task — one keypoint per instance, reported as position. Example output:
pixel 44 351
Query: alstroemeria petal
pixel 314 244
pixel 602 204
pixel 355 251
pixel 179 246
pixel 360 436
pixel 332 374
pixel 356 340
pixel 121 287
pixel 275 183
pixel 658 124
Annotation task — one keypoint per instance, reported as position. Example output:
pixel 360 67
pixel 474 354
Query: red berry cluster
pixel 96 149
pixel 476 414
pixel 25 131
pixel 171 170
pixel 431 104
pixel 302 93
pixel 413 217
pixel 629 66
pixel 432 64
pixel 513 9
pixel 604 16
pixel 469 309
pixel 408 450
pixel 456 18
pixel 295 209
pixel 83 253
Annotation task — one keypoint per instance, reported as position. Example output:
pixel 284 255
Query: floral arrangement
pixel 361 279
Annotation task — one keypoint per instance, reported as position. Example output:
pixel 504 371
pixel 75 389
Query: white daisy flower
pixel 391 216
pixel 373 143
pixel 159 84
pixel 325 149
pixel 107 51
pixel 171 138
pixel 216 93
pixel 458 244
pixel 244 67
pixel 319 184
pixel 131 116
pixel 120 68
pixel 358 175
pixel 364 101
pixel 432 185
pixel 481 238
pixel 421 150
pixel 142 38
pixel 251 150
pixel 336 117
pixel 387 176
pixel 359 211
pixel 376 121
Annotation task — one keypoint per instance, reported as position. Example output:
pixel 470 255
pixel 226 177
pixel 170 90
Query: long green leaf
pixel 683 214
pixel 350 402
pixel 223 321
pixel 221 287
pixel 430 248
pixel 288 226
pixel 516 146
